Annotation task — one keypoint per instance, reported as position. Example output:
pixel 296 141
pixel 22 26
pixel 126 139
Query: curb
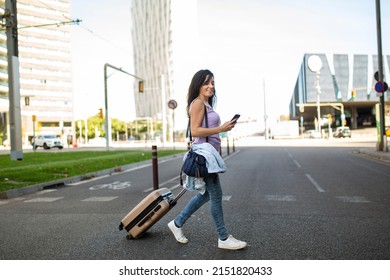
pixel 383 156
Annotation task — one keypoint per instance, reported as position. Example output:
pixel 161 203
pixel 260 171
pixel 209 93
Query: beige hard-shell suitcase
pixel 150 210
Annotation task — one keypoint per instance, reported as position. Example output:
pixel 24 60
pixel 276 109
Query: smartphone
pixel 235 118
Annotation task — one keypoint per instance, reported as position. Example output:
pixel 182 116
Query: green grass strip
pixel 43 167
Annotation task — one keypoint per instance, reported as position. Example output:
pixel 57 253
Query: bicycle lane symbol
pixel 117 185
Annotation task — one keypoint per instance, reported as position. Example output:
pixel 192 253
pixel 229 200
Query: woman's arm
pixel 196 116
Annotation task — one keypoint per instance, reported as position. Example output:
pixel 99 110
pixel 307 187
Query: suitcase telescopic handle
pixel 173 202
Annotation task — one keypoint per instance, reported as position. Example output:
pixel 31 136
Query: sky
pixel 253 47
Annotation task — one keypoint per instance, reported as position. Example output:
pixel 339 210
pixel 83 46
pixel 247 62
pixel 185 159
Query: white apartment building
pixel 44 35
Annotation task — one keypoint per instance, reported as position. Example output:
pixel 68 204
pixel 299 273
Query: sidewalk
pixel 372 152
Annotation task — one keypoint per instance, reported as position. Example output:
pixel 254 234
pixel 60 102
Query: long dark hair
pixel 200 78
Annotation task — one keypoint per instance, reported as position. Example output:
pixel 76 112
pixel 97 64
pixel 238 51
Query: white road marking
pixel 316 185
pixel 44 199
pixel 100 198
pixel 89 180
pixel 45 191
pixel 226 197
pixel 277 197
pixel 297 163
pixel 118 173
pixel 354 199
pixel 166 182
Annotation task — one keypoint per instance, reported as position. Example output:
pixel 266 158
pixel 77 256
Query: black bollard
pixel 155 167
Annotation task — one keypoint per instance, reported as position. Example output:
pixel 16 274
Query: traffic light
pixel 353 94
pixel 141 86
pixel 100 114
pixel 330 118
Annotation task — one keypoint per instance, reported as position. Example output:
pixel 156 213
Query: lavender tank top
pixel 213 121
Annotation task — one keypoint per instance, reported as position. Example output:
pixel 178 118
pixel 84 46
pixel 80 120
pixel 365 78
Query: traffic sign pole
pixel 381 145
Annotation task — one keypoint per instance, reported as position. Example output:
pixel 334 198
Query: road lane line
pixel 297 163
pixel 100 198
pixel 88 181
pixel 44 199
pixel 164 183
pixel 119 173
pixel 230 155
pixel 45 191
pixel 354 199
pixel 277 197
pixel 226 197
pixel 316 185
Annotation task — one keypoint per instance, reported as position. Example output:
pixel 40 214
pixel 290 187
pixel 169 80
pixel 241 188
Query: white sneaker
pixel 177 232
pixel 231 244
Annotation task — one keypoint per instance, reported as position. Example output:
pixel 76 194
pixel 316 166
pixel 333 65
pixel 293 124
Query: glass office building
pixel 346 83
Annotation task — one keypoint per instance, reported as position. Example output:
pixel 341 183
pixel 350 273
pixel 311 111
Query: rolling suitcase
pixel 150 210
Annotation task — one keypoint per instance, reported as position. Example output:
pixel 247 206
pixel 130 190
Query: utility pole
pixel 10 16
pixel 265 113
pixel 382 144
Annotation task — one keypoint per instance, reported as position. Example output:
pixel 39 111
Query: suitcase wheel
pixel 120 226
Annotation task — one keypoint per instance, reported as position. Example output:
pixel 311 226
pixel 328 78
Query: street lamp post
pixel 107 125
pixel 15 124
pixel 265 113
pixel 315 65
pixel 318 100
pixel 382 143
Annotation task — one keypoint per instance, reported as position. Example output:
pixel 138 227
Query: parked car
pixel 312 134
pixel 47 142
pixel 342 131
pixel 387 131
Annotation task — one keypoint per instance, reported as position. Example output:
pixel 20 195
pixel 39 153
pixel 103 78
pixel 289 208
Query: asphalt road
pixel 287 202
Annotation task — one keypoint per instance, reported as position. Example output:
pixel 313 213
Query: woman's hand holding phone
pixel 235 118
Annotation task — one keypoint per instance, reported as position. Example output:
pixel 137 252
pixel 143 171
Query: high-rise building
pixel 44 40
pixel 152 47
pixel 164 35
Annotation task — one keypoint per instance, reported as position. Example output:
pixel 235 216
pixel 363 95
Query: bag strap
pixel 188 133
pixel 189 127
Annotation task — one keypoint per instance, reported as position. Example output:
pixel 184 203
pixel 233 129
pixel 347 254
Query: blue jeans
pixel 214 194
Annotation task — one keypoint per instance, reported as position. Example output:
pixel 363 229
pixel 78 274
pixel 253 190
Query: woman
pixel 201 93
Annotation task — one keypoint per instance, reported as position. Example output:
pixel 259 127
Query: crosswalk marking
pixel 44 199
pixel 100 198
pixel 269 197
pixel 277 197
pixel 353 199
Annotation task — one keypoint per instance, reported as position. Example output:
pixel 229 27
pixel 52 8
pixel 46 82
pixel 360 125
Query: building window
pixel 50 124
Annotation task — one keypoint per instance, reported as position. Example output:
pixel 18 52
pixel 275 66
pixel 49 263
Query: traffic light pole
pixel 107 127
pixel 382 144
pixel 10 15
